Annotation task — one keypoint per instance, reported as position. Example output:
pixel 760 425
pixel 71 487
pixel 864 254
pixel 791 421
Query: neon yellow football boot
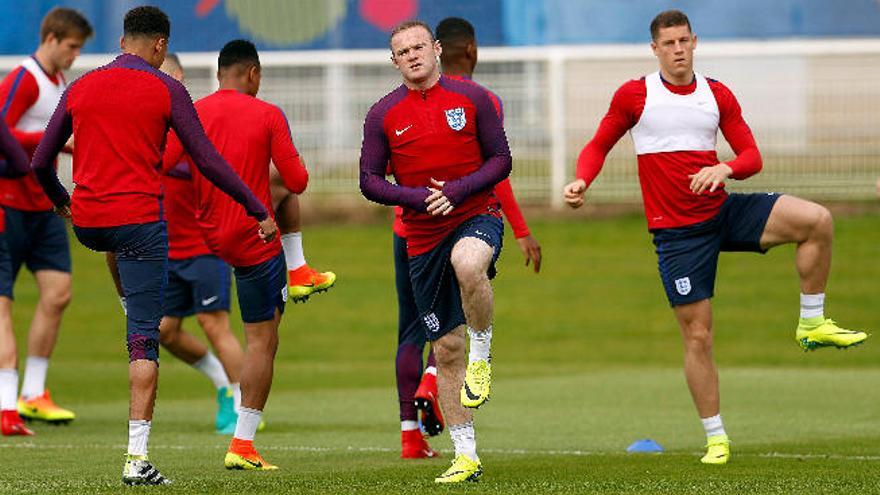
pixel 243 455
pixel 42 408
pixel 477 384
pixel 813 333
pixel 717 450
pixel 463 468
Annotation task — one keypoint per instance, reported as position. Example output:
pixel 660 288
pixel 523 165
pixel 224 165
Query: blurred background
pixel 805 73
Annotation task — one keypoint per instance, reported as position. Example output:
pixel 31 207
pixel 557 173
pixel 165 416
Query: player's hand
pixel 68 146
pixel 710 178
pixel 438 203
pixel 573 193
pixel 63 211
pixel 531 250
pixel 268 229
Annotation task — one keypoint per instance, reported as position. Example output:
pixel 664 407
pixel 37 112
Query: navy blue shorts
pixel 262 289
pixel 142 257
pixel 197 285
pixel 5 268
pixel 409 325
pixel 687 257
pixel 434 284
pixel 37 239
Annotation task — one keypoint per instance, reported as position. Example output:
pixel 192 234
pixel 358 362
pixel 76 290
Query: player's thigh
pixel 48 244
pixel 54 286
pixel 477 246
pixel 793 220
pixel 169 328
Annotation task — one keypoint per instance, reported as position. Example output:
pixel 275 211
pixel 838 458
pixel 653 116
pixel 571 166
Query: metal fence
pixel 814 107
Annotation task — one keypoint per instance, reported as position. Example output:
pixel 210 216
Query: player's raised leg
pixel 303 280
pixel 810 226
pixel 471 259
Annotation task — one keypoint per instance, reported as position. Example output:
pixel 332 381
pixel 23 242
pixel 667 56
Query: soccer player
pixel 674 115
pixel 119 115
pixel 446 148
pixel 36 237
pixel 417 391
pixel 249 133
pixel 13 164
pixel 198 283
pixel 303 280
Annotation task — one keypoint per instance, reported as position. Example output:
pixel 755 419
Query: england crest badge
pixel 683 285
pixel 456 118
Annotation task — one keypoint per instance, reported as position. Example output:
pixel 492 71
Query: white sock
pixel 124 305
pixel 713 426
pixel 292 244
pixel 8 389
pixel 464 439
pixel 813 305
pixel 211 367
pixel 409 425
pixel 248 421
pixel 236 396
pixel 138 435
pixel 431 370
pixel 481 341
pixel 34 383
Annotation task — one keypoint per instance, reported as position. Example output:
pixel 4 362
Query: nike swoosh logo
pixel 209 300
pixel 470 395
pixel 401 131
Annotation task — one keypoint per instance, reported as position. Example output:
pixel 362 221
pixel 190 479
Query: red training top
pixel 664 177
pixel 185 238
pixel 450 132
pixel 503 191
pixel 249 133
pixel 119 115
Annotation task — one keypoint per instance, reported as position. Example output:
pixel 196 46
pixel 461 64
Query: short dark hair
pixel 238 52
pixel 64 23
pixel 146 21
pixel 403 26
pixel 454 29
pixel 668 18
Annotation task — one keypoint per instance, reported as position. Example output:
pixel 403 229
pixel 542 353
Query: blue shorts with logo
pixel 5 268
pixel 142 258
pixel 262 289
pixel 37 239
pixel 434 284
pixel 200 284
pixel 687 257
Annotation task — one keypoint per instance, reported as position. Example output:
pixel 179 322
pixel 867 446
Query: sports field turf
pixel 586 360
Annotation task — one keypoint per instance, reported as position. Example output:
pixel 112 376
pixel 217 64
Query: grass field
pixel 586 360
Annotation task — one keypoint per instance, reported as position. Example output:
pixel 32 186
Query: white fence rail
pixel 814 107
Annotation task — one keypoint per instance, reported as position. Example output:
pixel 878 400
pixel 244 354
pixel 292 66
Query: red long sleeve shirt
pixel 664 177
pixel 503 191
pixel 450 132
pixel 20 94
pixel 120 115
pixel 249 133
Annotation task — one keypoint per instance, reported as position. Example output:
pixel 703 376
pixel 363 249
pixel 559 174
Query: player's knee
pixel 469 270
pixel 448 349
pixel 698 338
pixel 823 224
pixel 56 299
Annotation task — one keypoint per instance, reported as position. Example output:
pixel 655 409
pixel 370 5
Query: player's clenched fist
pixel 268 229
pixel 573 193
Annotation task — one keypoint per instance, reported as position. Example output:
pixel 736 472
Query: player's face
pixel 415 55
pixel 674 49
pixel 64 52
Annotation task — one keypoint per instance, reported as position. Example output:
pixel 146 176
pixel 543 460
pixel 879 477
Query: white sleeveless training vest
pixel 672 122
pixel 36 118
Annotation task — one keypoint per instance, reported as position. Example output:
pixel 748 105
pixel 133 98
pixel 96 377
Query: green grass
pixel 587 359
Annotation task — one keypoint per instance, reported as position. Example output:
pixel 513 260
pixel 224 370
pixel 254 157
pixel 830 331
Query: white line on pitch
pixel 307 448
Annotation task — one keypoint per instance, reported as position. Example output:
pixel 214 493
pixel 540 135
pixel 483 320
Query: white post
pixel 556 86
